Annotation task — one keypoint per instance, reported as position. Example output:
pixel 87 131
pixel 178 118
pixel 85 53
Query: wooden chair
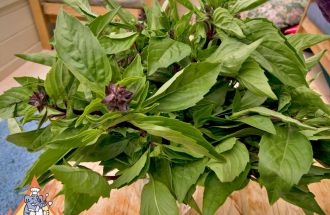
pixel 45 13
pixel 308 26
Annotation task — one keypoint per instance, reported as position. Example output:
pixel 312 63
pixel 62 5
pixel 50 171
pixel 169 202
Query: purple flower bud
pixel 39 99
pixel 117 98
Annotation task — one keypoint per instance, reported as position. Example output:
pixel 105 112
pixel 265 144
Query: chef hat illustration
pixel 34 190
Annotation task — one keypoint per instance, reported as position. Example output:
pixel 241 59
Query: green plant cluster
pixel 205 99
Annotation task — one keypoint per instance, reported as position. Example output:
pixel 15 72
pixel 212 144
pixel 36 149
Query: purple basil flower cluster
pixel 39 99
pixel 117 97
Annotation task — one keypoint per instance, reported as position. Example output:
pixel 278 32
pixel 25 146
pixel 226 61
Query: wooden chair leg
pixel 40 22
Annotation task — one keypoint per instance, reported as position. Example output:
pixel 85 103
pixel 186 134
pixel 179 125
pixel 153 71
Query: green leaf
pixel 261 122
pixel 47 159
pixel 124 15
pixel 115 43
pixel 305 200
pixel 304 41
pixel 40 58
pixel 11 98
pixel 267 112
pixel 185 88
pixel 81 52
pixel 178 132
pixel 236 160
pixel 243 5
pixel 60 84
pixel 185 176
pixel 29 139
pixel 94 105
pixel 275 54
pixel 82 7
pixel 307 98
pixel 231 54
pixel 250 100
pixel 254 79
pixel 135 69
pixel 154 16
pixel 156 199
pixel 312 61
pixel 100 22
pixel 216 192
pixel 75 138
pixel 81 180
pixel 14 126
pixel 226 145
pixel 283 159
pixel 75 203
pixel 164 52
pixel 160 169
pixel 223 20
pixel 132 173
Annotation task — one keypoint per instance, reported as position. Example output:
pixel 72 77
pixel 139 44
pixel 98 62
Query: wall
pixel 17 34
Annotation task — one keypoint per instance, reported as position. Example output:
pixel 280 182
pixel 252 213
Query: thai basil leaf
pixel 261 122
pixel 124 15
pixel 156 199
pixel 47 159
pixel 216 192
pixel 116 43
pixel 231 54
pixel 129 175
pixel 40 58
pixel 89 63
pixel 236 160
pixel 223 20
pixel 178 132
pixel 254 79
pixel 305 200
pixel 135 69
pixel 275 54
pixel 100 22
pixel 267 112
pixel 303 41
pixel 75 203
pixel 164 52
pixel 312 61
pixel 184 89
pixel 243 5
pixel 185 176
pixel 283 159
pixel 81 180
pixel 60 83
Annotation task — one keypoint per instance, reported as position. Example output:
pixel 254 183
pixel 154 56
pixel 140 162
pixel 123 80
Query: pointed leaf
pixel 157 200
pixel 243 5
pixel 216 192
pixel 133 172
pixel 164 52
pixel 178 132
pixel 88 63
pixel 261 122
pixel 231 54
pixel 81 180
pixel 41 58
pixel 100 22
pixel 185 176
pixel 254 79
pixel 185 88
pixel 223 20
pixel 283 159
pixel 275 54
pixel 304 41
pixel 236 161
pixel 116 43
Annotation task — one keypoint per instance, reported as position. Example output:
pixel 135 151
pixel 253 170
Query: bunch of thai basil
pixel 203 99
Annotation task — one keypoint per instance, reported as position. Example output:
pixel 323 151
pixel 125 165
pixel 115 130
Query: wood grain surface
pixel 252 200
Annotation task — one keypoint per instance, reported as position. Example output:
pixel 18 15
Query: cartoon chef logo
pixel 34 202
